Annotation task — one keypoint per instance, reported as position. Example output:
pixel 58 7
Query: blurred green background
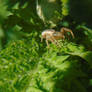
pixel 26 64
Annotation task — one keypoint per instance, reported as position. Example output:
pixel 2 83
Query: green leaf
pixel 87 55
pixel 4 13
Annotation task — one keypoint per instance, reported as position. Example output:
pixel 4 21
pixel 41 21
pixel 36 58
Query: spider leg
pixel 41 39
pixel 48 37
pixel 47 43
pixel 56 42
pixel 64 30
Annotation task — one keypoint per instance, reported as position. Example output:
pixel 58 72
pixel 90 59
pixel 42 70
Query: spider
pixel 53 36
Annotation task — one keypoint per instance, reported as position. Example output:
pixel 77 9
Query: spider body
pixel 47 33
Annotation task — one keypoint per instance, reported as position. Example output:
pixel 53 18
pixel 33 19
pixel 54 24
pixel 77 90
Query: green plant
pixel 27 65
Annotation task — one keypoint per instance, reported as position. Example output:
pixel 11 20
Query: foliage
pixel 27 65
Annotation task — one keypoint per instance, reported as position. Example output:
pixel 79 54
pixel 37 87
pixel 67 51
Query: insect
pixel 53 36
